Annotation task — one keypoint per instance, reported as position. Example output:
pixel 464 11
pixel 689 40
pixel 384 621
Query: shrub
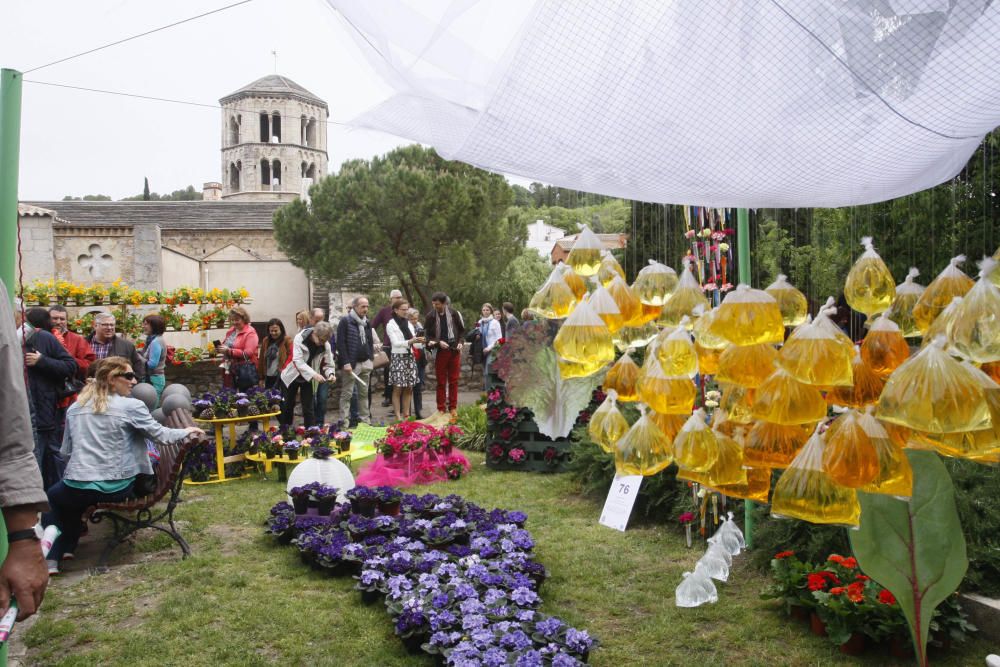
pixel 472 421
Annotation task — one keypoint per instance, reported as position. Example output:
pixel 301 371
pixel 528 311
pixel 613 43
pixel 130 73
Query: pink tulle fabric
pixel 420 467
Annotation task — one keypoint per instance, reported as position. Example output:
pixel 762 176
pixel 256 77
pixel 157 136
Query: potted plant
pixel 949 624
pixel 412 627
pixel 517 455
pixel 389 500
pixel 242 407
pixel 371 583
pixel 844 611
pixel 291 450
pixel 454 469
pixel 343 440
pixel 300 499
pixel 790 583
pixel 364 500
pixel 325 496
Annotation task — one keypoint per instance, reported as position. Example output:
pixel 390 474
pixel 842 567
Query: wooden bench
pixel 134 514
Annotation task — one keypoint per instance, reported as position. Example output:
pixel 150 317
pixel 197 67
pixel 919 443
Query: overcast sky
pixel 75 142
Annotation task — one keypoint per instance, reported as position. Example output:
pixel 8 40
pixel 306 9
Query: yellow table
pixel 269 462
pixel 220 460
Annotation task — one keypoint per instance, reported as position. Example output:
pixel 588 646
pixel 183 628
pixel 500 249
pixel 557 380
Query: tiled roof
pixel 168 215
pixel 274 84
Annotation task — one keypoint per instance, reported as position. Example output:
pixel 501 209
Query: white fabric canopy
pixel 750 103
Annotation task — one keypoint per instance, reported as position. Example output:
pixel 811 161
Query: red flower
pixel 493 414
pixel 784 554
pixel 850 563
pixel 862 577
pixel 837 590
pixel 818 581
pixel 834 558
pixel 496 451
pixel 686 517
pixel 856 591
pixel 885 597
pixel 507 432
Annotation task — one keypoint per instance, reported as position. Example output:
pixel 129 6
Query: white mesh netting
pixel 750 103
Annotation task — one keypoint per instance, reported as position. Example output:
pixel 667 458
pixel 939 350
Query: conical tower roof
pixel 274 85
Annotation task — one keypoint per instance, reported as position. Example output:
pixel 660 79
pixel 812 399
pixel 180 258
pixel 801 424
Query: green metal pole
pixel 10 143
pixel 743 262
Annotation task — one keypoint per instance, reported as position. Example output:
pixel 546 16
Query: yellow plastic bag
pixel 686 298
pixel 975 330
pixel 663 393
pixel 992 369
pixel 782 399
pixel 747 365
pixel 702 330
pixel 792 303
pixel 629 336
pixel 901 310
pixel 849 457
pixel 643 450
pixel 577 284
pixel 895 475
pixel 870 287
pixel 554 300
pixel 670 425
pixel 655 283
pixel 609 269
pixel 773 445
pixel 728 466
pixel 979 442
pixel 933 392
pixel 626 299
pixel 943 323
pixel 757 487
pixel 607 425
pixel 807 493
pixel 606 308
pixel 951 282
pixel 585 257
pixel 584 339
pixel 749 316
pixel 696 447
pixel 884 347
pixel 818 353
pixel 676 353
pixel 737 402
pixel 865 390
pixel 623 378
pixel 708 359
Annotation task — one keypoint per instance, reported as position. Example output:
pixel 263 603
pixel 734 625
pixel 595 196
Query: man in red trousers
pixel 445 332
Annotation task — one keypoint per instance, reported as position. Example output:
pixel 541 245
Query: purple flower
pixel 471 606
pixel 493 595
pixel 444 639
pixel 578 641
pixel 515 641
pixel 561 659
pixel 525 615
pixel 482 638
pixel 495 657
pixel 443 619
pixel 524 597
pixel 473 621
pixel 440 601
pixel 464 591
pixel 530 658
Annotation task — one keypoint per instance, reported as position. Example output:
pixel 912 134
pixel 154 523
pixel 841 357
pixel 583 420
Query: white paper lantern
pixel 330 472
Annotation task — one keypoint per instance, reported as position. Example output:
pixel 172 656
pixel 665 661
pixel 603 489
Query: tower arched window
pixel 310 136
pixel 234 130
pixel 265 174
pixel 234 176
pixel 265 127
pixel 276 173
pixel 276 126
pixel 302 134
pixel 311 172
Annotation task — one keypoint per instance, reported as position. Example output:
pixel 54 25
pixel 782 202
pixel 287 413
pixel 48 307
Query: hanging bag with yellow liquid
pixel 670 425
pixel 728 466
pixel 676 352
pixel 554 300
pixel 895 476
pixel 782 399
pixel 807 493
pixel 584 340
pixel 606 308
pixel 695 447
pixel 942 324
pixel 951 282
pixel 979 443
pixel 609 268
pixel 631 336
pixel 756 488
pixel 884 347
pixel 607 425
pixel 975 330
pixel 623 378
pixel 644 449
pixel 707 346
pixel 792 303
pixel 865 390
pixel 849 457
pixel 654 284
pixel 665 394
pixel 901 310
pixel 818 353
pixel 749 316
pixel 870 287
pixel 628 302
pixel 747 365
pixel 773 445
pixel 685 299
pixel 737 402
pixel 585 257
pixel 577 284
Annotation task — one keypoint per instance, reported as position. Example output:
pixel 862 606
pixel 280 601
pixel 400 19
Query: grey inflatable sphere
pixel 172 389
pixel 145 393
pixel 175 402
pixel 158 416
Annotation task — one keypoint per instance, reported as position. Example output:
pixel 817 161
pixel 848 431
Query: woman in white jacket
pixel 402 364
pixel 489 329
pixel 310 365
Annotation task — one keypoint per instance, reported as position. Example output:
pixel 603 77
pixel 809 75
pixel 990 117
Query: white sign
pixel 621 498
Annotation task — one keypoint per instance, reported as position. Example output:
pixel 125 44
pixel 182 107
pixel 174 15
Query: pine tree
pixel 145 189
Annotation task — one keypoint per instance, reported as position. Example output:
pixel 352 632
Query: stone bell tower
pixel 273 141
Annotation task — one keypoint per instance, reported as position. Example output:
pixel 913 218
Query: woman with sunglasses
pixel 104 444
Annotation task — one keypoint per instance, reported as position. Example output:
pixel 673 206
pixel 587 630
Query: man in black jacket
pixel 106 343
pixel 355 351
pixel 49 366
pixel 445 331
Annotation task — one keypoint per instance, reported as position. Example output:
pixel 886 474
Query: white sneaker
pixel 68 556
pixel 53 567
pixel 993 660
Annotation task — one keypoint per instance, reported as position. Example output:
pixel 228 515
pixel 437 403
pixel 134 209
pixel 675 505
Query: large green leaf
pixel 915 549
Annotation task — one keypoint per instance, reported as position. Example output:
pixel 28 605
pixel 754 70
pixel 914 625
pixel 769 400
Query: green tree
pixel 145 189
pixel 185 194
pixel 87 198
pixel 518 281
pixel 409 216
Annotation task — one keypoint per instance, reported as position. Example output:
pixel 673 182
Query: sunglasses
pixel 128 376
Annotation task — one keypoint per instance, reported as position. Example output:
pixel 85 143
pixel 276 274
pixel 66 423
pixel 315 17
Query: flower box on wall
pixel 540 453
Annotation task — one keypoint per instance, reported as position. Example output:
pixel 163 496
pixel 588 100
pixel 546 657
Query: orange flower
pixel 862 577
pixel 784 554
pixel 838 590
pixel 856 591
pixel 835 558
pixel 849 563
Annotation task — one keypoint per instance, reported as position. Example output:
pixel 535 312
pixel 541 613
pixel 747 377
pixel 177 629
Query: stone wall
pixel 201 377
pixel 199 244
pixel 37 248
pixel 91 255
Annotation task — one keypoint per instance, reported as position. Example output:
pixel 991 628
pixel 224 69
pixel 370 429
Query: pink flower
pixel 689 234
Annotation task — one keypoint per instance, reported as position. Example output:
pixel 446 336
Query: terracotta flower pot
pixel 799 613
pixel 855 645
pixel 817 625
pixel 390 508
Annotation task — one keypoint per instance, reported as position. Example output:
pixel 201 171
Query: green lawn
pixel 244 600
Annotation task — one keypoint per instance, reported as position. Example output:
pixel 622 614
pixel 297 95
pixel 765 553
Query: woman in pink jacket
pixel 239 348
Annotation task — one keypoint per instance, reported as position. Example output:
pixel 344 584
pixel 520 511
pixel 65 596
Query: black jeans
pixel 288 404
pixel 68 505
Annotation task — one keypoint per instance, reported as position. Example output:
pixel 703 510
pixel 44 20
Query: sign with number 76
pixel 621 498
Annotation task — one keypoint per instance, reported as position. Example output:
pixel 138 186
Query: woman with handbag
pixel 402 364
pixel 154 353
pixel 239 352
pixel 105 449
pixel 489 329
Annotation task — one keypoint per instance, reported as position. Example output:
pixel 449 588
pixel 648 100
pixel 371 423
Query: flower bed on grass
pixel 459 582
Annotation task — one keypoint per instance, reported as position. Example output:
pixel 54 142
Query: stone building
pixel 226 240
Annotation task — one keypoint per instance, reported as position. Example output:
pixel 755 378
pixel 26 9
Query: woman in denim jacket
pixel 104 442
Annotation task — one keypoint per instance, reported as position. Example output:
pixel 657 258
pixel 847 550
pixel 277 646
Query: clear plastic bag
pixel 687 297
pixel 849 456
pixel 901 310
pixel 723 545
pixel 870 287
pixel 676 352
pixel 623 378
pixel 696 447
pixel 933 392
pixel 807 493
pixel 609 269
pixel 792 303
pixel 584 340
pixel 696 589
pixel 607 425
pixel 585 256
pixel 748 316
pixel 632 336
pixel 628 302
pixel 606 308
pixel 747 365
pixel 951 282
pixel 818 353
pixel 655 283
pixel 884 347
pixel 729 527
pixel 644 449
pixel 715 564
pixel 773 445
pixel 707 345
pixel 975 331
pixel 865 390
pixel 665 394
pixel 737 402
pixel 781 399
pixel 895 476
pixel 554 300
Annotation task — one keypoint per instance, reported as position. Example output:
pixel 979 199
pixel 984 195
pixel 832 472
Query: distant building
pixel 542 237
pixel 561 248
